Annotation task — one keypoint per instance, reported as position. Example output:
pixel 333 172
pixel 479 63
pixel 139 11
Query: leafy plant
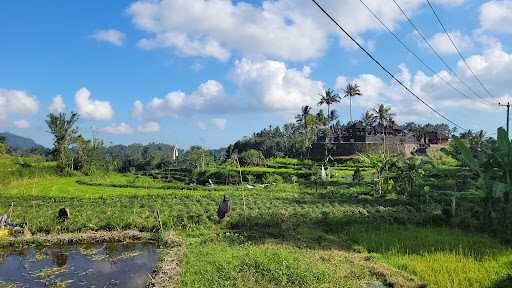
pixel 494 170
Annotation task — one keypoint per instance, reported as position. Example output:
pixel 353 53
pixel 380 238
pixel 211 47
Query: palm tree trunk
pixel 350 107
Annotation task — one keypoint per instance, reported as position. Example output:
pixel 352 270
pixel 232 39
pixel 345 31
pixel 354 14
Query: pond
pixel 99 265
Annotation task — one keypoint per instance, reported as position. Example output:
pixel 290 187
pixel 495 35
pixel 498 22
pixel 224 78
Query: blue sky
pixel 210 72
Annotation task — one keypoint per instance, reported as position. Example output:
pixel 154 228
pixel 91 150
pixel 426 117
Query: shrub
pixel 252 158
pixel 357 176
pixel 272 179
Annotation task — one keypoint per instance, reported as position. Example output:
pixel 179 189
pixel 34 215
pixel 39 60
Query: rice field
pixel 287 235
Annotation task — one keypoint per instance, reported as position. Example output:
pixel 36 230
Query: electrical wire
pixel 422 36
pixel 406 47
pixel 458 50
pixel 384 68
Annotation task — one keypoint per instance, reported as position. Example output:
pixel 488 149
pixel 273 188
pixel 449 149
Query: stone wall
pixel 350 149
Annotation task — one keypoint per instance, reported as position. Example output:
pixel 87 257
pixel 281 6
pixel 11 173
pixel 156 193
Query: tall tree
pixel 64 132
pixel 329 97
pixel 351 90
pixel 368 118
pixel 302 118
pixel 383 114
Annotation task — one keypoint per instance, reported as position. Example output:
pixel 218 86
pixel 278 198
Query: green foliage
pixel 272 179
pixel 383 166
pixel 494 170
pixel 252 158
pixel 196 158
pixel 64 132
pixel 357 176
pixel 2 148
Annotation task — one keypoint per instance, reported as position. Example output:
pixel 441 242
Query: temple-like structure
pixel 359 138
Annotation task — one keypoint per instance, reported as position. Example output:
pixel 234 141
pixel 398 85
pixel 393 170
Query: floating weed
pixel 50 272
pixel 88 251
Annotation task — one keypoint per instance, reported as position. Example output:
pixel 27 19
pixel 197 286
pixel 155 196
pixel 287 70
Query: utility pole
pixel 508 115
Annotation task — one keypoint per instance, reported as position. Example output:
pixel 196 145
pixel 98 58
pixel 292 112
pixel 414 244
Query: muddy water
pixel 104 265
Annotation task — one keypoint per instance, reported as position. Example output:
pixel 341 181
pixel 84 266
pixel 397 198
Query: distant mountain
pixel 21 145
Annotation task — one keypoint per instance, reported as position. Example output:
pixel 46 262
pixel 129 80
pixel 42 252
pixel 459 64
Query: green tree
pixel 329 97
pixel 302 118
pixel 252 158
pixel 3 147
pixel 368 118
pixel 351 90
pixel 383 114
pixel 196 158
pixel 494 170
pixel 64 132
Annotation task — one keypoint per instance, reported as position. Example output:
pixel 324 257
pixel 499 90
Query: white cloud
pixel 213 28
pixel 22 124
pixel 149 127
pixel 496 16
pixel 208 96
pixel 219 123
pixel 443 45
pixel 16 101
pixel 92 109
pixel 138 109
pixel 112 36
pixel 121 128
pixel 493 67
pixel 57 105
pixel 270 85
pixel 186 46
pixel 200 124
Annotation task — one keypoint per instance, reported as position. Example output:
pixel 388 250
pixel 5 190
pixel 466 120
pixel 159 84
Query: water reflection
pixel 105 265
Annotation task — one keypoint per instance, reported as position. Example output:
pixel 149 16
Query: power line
pixel 456 48
pixel 384 68
pixel 406 47
pixel 422 36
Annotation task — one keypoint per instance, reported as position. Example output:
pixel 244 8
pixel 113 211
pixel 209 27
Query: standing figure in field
pixel 223 208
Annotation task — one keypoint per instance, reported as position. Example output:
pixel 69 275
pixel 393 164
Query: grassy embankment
pixel 287 236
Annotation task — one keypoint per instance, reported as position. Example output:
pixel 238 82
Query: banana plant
pixel 493 169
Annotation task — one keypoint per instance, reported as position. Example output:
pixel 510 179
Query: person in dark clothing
pixel 223 208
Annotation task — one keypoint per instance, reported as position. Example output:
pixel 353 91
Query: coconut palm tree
pixel 301 118
pixel 329 97
pixel 351 90
pixel 383 114
pixel 368 118
pixel 64 132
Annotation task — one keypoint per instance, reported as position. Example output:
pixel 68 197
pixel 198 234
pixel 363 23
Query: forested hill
pixel 22 145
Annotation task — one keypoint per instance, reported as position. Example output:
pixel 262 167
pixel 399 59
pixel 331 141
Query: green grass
pixel 287 236
pixel 270 265
pixel 441 257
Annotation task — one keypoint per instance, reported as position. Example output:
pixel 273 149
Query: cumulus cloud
pixel 57 105
pixel 283 29
pixel 219 123
pixel 138 109
pixel 213 28
pixel 118 129
pixel 21 124
pixel 112 36
pixel 149 127
pixel 496 16
pixel 16 101
pixel 207 97
pixel 443 45
pixel 92 109
pixel 492 67
pixel 271 85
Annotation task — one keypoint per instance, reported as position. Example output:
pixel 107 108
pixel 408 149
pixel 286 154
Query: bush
pixel 252 158
pixel 357 176
pixel 272 179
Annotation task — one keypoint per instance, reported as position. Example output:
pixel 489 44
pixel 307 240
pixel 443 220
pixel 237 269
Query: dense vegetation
pixel 400 220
